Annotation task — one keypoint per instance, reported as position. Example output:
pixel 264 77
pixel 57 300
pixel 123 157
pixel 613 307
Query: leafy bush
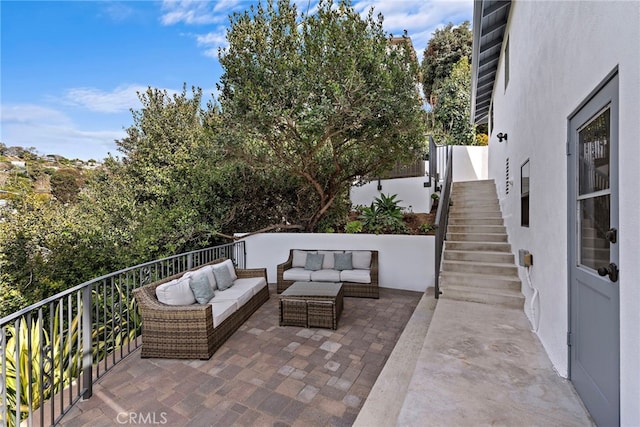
pixel 425 228
pixel 383 216
pixel 353 227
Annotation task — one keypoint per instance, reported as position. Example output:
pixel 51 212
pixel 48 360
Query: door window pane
pixel 593 147
pixel 594 223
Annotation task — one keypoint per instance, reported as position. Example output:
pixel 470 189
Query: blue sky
pixel 70 70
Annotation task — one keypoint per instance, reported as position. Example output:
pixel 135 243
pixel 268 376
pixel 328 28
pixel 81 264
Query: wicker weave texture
pixel 351 289
pixel 187 332
pixel 311 311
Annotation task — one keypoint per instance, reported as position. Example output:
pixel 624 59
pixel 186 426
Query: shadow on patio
pixel 263 375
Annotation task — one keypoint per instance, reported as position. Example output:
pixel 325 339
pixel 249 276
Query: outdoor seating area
pixel 190 315
pixel 357 270
pixel 263 374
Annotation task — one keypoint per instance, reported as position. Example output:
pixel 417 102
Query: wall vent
pixel 506 173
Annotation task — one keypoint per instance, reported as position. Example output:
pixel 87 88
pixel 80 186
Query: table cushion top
pixel 312 289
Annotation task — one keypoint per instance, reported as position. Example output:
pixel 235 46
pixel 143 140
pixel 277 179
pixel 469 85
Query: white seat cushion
pixel 297 274
pixel 361 259
pixel 325 276
pixel 253 283
pixel 357 276
pixel 239 295
pixel 176 292
pixel 221 309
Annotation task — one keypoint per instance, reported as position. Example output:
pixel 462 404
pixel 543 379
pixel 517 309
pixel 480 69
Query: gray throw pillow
pixel 342 262
pixel 314 262
pixel 201 288
pixel 223 277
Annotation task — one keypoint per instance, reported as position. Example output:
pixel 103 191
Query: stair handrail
pixel 442 216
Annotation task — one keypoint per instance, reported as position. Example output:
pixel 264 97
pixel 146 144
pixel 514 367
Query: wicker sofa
pixel 359 281
pixel 196 331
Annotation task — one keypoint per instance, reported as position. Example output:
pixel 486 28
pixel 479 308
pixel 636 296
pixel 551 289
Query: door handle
pixel 611 270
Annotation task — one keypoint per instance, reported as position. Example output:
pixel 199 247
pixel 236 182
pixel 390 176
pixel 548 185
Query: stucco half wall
pixel 404 262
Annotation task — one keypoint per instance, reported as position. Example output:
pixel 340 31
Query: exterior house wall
pixel 404 262
pixel 559 53
pixel 470 163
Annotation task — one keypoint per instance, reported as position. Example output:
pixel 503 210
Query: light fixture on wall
pixel 501 136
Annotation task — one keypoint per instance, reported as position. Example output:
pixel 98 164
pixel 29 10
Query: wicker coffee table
pixel 311 305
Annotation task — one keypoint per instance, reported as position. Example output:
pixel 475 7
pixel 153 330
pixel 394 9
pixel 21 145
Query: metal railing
pixel 442 214
pixel 438 155
pixel 406 170
pixel 52 352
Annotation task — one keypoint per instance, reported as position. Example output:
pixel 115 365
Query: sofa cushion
pixel 325 275
pixel 361 259
pixel 232 269
pixel 300 258
pixel 223 276
pixel 357 276
pixel 343 261
pixel 221 310
pixel 297 274
pixel 206 271
pixel 327 262
pixel 240 296
pixel 314 262
pixel 176 292
pixel 253 283
pixel 201 288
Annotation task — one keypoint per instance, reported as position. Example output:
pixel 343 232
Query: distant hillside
pixel 23 171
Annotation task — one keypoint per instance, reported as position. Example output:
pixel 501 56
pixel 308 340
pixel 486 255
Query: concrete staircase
pixel 477 264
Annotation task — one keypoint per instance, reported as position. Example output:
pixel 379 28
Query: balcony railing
pixel 52 352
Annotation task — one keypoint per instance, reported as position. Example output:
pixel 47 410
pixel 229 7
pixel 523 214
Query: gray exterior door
pixel 594 336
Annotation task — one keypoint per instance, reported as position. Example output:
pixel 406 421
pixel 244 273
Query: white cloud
pixel 120 99
pixel 420 18
pixel 52 132
pixel 211 42
pixel 193 12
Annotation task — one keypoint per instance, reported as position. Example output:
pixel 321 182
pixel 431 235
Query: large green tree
pixel 454 103
pixel 323 97
pixel 445 49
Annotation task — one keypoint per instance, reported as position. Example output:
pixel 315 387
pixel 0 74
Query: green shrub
pixel 425 228
pixel 353 227
pixel 383 216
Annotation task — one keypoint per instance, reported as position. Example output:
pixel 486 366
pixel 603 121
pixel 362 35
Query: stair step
pixel 480 256
pixel 478 237
pixel 494 268
pixel 472 214
pixel 472 280
pixel 476 228
pixel 473 221
pixel 477 246
pixel 474 204
pixel 474 184
pixel 510 299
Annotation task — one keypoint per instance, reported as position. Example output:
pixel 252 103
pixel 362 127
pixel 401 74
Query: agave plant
pixel 383 216
pixel 47 362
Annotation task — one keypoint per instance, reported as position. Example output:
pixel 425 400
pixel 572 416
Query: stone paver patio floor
pixel 264 375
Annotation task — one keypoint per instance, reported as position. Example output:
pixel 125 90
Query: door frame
pixel 571 213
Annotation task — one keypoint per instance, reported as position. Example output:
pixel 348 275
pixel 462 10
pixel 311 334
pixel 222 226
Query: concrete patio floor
pixel 450 363
pixel 264 375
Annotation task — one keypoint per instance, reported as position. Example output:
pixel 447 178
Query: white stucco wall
pixel 470 163
pixel 559 53
pixel 411 191
pixel 404 262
